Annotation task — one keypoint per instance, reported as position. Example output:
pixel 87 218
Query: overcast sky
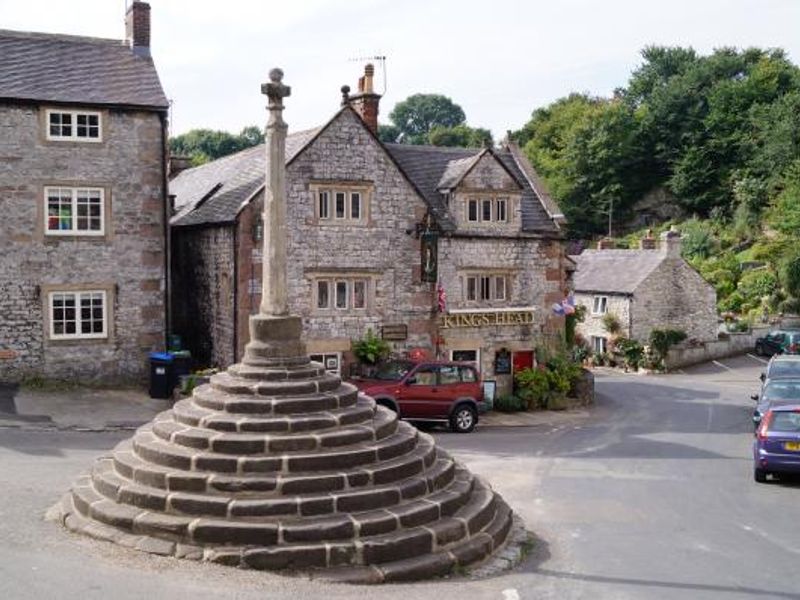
pixel 498 59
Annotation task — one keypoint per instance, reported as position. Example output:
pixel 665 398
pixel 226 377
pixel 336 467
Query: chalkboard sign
pixel 502 362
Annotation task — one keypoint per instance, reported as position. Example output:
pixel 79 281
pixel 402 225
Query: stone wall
pixel 592 325
pixel 128 260
pixel 378 250
pixel 203 303
pixel 675 296
pixel 731 344
pixel 250 262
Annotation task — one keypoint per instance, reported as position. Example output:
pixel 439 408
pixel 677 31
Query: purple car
pixel 776 448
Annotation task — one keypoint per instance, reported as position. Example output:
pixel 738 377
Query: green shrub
pixel 755 284
pixel 510 403
pixel 732 303
pixel 370 349
pixel 611 323
pixel 533 387
pixel 661 340
pixel 631 352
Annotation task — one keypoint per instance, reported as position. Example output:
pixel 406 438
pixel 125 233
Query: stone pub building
pixel 376 233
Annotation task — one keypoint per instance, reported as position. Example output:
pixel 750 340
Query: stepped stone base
pixel 277 464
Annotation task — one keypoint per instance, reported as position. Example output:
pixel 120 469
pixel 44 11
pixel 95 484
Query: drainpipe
pixel 235 288
pixel 167 231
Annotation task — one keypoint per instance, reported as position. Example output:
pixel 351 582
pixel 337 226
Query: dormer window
pixel 74 126
pixel 487 209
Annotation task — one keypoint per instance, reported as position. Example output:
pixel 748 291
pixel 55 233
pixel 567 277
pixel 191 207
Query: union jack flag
pixel 441 297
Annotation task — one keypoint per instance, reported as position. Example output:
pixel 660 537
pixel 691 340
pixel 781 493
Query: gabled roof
pixel 427 166
pixel 550 205
pixel 456 170
pixel 614 271
pixel 216 191
pixel 45 67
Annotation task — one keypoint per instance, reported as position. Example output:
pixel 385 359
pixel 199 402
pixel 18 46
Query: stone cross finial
pixel 274 296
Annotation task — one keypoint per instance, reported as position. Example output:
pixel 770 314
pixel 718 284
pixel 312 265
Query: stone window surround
pixel 347 277
pixel 110 301
pixel 599 305
pixel 363 188
pixel 40 227
pixel 44 127
pixel 511 199
pixel 506 274
pixel 74 212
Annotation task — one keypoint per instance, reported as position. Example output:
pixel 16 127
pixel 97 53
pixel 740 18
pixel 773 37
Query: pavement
pixel 68 408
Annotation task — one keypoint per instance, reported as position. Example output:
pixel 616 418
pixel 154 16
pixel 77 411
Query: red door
pixel 522 360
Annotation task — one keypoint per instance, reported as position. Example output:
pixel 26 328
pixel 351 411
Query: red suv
pixel 429 391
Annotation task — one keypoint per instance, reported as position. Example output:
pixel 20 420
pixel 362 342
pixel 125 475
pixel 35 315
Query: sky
pixel 498 59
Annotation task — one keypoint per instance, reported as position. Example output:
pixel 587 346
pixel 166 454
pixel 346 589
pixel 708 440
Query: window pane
pixel 449 374
pixel 472 284
pixel 355 205
pixel 323 205
pixel 340 204
pixel 500 288
pixel 472 210
pixel 501 209
pixel 341 294
pixel 486 288
pixel 425 376
pixel 486 211
pixel 359 294
pixel 323 297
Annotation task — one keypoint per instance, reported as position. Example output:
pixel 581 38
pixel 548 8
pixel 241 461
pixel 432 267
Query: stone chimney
pixel 137 28
pixel 648 242
pixel 177 164
pixel 606 244
pixel 366 101
pixel 671 243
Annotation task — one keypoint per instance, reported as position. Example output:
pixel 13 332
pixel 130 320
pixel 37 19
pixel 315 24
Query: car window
pixel 425 376
pixel 393 370
pixel 448 374
pixel 788 422
pixel 784 368
pixel 468 375
pixel 779 390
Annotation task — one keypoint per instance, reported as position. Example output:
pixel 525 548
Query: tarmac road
pixel 648 495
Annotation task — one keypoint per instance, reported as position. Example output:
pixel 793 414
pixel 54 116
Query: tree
pixel 460 135
pixel 203 145
pixel 417 115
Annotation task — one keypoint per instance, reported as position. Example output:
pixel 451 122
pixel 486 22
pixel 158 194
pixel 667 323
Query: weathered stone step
pixel 188 412
pixel 418 462
pixel 231 384
pixel 152 449
pixel 308 371
pixel 302 403
pixel 383 424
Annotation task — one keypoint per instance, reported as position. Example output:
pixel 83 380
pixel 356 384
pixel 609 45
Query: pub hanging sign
pixel 429 255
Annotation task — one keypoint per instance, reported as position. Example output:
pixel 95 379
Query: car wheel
pixel 463 419
pixel 760 475
pixel 759 350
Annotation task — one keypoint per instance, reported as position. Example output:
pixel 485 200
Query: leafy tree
pixel 204 145
pixel 388 134
pixel 417 115
pixel 460 135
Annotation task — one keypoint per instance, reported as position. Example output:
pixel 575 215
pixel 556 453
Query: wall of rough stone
pixel 128 260
pixel 684 355
pixel 592 325
pixel 379 250
pixel 675 296
pixel 203 302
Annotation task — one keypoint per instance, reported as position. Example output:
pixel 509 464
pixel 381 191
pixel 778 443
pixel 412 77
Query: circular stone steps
pixel 277 464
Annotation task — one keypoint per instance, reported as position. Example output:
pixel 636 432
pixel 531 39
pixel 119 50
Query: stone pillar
pixel 274 296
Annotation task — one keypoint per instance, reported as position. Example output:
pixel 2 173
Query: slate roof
pixel 216 191
pixel 614 271
pixel 70 69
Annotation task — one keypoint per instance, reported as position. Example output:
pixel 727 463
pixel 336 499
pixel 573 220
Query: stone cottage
pixel 83 134
pixel 645 289
pixel 379 234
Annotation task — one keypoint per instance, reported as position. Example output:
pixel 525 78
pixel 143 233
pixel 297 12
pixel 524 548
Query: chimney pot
pixel 137 28
pixel 366 101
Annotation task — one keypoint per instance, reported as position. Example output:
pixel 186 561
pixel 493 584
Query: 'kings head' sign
pixel 486 318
